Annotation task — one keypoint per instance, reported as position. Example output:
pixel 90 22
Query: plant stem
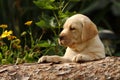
pixel 31 37
pixel 56 18
pixel 10 47
pixel 43 31
pixel 57 23
pixel 65 6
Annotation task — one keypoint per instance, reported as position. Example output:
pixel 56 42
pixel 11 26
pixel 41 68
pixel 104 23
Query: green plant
pixel 8 45
pixel 11 49
pixel 52 18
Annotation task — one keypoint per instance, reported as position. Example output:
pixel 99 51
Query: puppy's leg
pixel 55 59
pixel 83 57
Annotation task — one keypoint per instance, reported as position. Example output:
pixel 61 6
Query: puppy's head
pixel 77 29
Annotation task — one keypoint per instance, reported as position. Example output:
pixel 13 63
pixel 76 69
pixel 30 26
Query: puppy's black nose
pixel 61 37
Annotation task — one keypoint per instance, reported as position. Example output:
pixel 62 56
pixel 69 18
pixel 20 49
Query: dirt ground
pixel 105 69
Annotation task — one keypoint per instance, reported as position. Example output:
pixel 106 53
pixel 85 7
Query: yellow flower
pixel 28 23
pixel 16 46
pixel 17 41
pixel 6 34
pixel 23 33
pixel 11 37
pixel 3 26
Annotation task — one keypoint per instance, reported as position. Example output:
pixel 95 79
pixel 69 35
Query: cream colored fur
pixel 80 36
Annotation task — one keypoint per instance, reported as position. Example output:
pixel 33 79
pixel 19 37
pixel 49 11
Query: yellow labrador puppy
pixel 80 36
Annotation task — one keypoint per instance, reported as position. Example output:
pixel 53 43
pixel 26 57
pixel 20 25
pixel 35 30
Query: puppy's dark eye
pixel 72 28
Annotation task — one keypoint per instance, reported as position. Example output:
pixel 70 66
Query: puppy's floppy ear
pixel 89 30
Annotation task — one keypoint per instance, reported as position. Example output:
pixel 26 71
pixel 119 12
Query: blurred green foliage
pixel 48 16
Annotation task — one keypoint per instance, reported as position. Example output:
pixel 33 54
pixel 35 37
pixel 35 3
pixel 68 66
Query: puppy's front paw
pixel 42 59
pixel 77 58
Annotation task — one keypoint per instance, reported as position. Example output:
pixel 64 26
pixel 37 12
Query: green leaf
pixel 74 0
pixel 52 22
pixel 5 61
pixel 46 4
pixel 66 14
pixel 47 22
pixel 45 44
pixel 41 24
pixel 1 56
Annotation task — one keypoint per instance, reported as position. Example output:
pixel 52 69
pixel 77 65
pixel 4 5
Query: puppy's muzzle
pixel 61 39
